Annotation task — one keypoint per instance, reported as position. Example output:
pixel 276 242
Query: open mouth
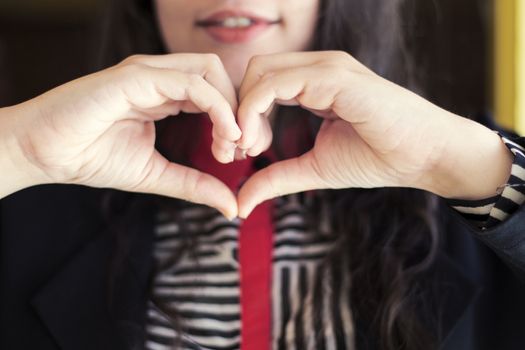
pixel 235 22
pixel 235 26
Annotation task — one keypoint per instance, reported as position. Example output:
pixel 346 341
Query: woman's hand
pixel 374 133
pixel 99 130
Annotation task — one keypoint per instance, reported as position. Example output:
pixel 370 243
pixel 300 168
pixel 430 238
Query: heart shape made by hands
pixel 238 172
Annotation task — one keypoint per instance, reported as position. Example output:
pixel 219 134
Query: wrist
pixel 474 165
pixel 17 172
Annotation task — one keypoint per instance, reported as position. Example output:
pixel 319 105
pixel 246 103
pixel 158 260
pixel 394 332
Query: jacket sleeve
pixel 491 211
pixel 499 221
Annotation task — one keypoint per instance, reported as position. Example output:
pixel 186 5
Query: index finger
pixel 209 66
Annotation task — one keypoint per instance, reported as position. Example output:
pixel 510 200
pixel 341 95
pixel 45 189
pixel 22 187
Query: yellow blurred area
pixel 509 63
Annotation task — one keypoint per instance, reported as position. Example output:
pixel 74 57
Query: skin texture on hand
pixel 374 134
pixel 17 173
pixel 99 130
pixel 475 164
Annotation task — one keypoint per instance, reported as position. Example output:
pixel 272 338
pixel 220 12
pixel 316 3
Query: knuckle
pixel 273 182
pixel 213 60
pixel 242 111
pixel 195 80
pixel 340 55
pixel 267 77
pixel 133 59
pixel 336 59
pixel 255 61
pixel 191 180
pixel 149 177
pixel 129 70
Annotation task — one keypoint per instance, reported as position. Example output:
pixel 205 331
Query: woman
pixel 382 262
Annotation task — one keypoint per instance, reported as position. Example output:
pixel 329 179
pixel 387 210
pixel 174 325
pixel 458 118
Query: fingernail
pixel 244 215
pixel 228 216
pixel 243 154
pixel 239 142
pixel 240 154
pixel 239 133
pixel 230 154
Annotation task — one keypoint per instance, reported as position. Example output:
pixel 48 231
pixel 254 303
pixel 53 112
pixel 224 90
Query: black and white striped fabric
pixel 203 284
pixel 491 211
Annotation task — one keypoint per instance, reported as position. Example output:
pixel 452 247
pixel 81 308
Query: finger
pixel 265 67
pixel 278 179
pixel 178 181
pixel 158 86
pixel 223 151
pixel 262 127
pixel 154 86
pixel 145 87
pixel 201 93
pixel 240 154
pixel 209 66
pixel 300 86
pixel 259 66
pixel 264 140
pixel 260 99
pixel 160 112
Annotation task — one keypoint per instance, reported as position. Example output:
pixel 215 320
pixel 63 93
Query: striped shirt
pixel 489 212
pixel 203 284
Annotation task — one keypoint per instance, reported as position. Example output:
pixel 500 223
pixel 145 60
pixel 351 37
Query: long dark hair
pixel 387 237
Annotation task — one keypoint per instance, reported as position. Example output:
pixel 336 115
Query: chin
pixel 236 67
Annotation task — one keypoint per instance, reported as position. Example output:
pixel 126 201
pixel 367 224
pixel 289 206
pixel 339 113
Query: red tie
pixel 256 261
pixel 255 246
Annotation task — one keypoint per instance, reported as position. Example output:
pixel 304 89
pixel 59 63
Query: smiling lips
pixel 232 27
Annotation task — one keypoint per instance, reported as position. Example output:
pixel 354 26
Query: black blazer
pixel 55 252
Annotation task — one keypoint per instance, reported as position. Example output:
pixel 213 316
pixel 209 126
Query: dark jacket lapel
pixel 454 299
pixel 74 303
pixel 84 307
pixel 464 272
pixel 449 292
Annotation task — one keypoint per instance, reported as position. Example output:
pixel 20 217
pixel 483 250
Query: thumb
pixel 174 180
pixel 278 179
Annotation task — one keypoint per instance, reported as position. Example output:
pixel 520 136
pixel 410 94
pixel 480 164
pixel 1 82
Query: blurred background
pixel 468 51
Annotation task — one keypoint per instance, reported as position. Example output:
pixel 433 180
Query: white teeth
pixel 236 22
